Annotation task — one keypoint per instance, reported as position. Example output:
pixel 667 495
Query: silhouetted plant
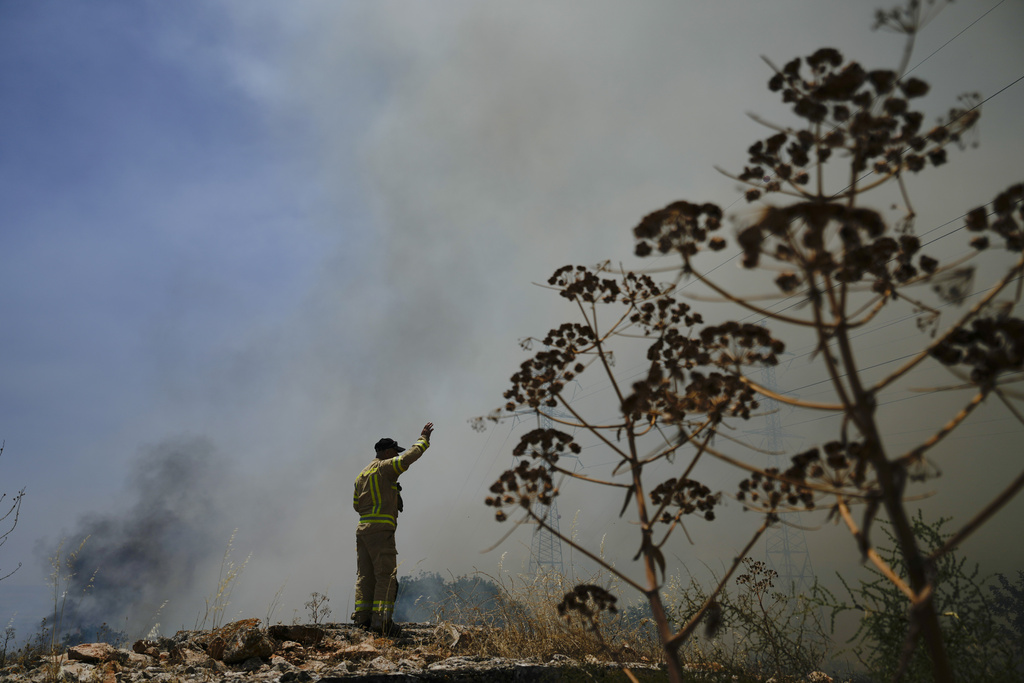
pixel 980 647
pixel 753 630
pixel 11 510
pixel 846 263
pixel 8 638
pixel 1008 604
pixel 317 607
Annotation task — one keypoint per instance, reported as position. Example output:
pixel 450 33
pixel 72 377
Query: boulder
pixel 96 653
pixel 136 660
pixel 215 647
pixel 148 648
pixel 306 635
pixel 247 644
pixel 252 665
pixel 281 664
pixel 76 672
pixel 383 664
pixel 205 638
pixel 186 657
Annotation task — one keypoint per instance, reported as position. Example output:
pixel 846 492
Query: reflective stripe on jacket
pixel 376 487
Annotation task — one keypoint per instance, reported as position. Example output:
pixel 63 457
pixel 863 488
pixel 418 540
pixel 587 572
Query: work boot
pixel 385 627
pixel 362 620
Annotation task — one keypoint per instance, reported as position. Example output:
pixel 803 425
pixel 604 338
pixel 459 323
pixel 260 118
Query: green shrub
pixel 981 646
pixel 753 631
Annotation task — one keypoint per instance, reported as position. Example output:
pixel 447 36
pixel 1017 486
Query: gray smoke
pixel 134 559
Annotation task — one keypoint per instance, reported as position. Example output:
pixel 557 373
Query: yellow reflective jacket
pixel 376 488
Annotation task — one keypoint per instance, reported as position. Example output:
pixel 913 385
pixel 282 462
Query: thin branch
pixel 975 310
pixel 782 398
pixel 577 425
pixel 993 507
pixel 830 363
pixel 577 475
pixel 1016 413
pixel 679 484
pixel 916 453
pixel 874 556
pixel 508 533
pixel 799 194
pixel 906 196
pixel 791 509
pixel 740 302
pixel 832 491
pixel 658 453
pixel 601 561
pixel 11 573
pixel 595 430
pixel 604 362
pixel 684 633
pixel 757 118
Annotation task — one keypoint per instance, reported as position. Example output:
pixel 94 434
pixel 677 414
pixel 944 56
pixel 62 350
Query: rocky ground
pixel 243 651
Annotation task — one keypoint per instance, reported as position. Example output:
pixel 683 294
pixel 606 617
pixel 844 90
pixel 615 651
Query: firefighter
pixel 378 500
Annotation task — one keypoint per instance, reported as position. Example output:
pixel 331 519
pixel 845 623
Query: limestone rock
pixel 215 648
pixel 75 672
pixel 95 653
pixel 344 652
pixel 305 635
pixel 382 664
pixel 251 665
pixel 146 647
pixel 356 652
pixel 290 646
pixel 248 644
pixel 225 633
pixel 186 657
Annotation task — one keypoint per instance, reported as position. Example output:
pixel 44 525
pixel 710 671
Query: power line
pixel 734 256
pixel 987 99
pixel 955 37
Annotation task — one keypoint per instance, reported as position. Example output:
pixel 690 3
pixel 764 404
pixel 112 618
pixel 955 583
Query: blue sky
pixel 273 233
pixel 143 195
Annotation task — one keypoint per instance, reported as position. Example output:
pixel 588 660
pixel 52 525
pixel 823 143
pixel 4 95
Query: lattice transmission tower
pixel 785 545
pixel 546 544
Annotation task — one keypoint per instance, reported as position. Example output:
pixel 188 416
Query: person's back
pixel 377 497
pixel 378 500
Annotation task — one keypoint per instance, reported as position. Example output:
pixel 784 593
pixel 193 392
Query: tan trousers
pixel 376 574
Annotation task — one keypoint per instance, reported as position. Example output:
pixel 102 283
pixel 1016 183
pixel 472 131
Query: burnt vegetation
pixel 847 263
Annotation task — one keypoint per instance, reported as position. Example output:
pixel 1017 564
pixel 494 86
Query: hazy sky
pixel 241 241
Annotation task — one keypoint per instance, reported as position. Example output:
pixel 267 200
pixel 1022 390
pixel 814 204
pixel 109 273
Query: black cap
pixel 385 444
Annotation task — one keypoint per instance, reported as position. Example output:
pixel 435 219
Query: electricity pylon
pixel 546 545
pixel 785 545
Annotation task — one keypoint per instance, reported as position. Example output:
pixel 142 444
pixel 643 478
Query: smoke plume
pixel 131 561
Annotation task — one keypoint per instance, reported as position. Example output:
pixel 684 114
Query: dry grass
pixel 523 622
pixel 757 631
pixel 230 571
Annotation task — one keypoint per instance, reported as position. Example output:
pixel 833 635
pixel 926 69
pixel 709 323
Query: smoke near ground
pixel 120 568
